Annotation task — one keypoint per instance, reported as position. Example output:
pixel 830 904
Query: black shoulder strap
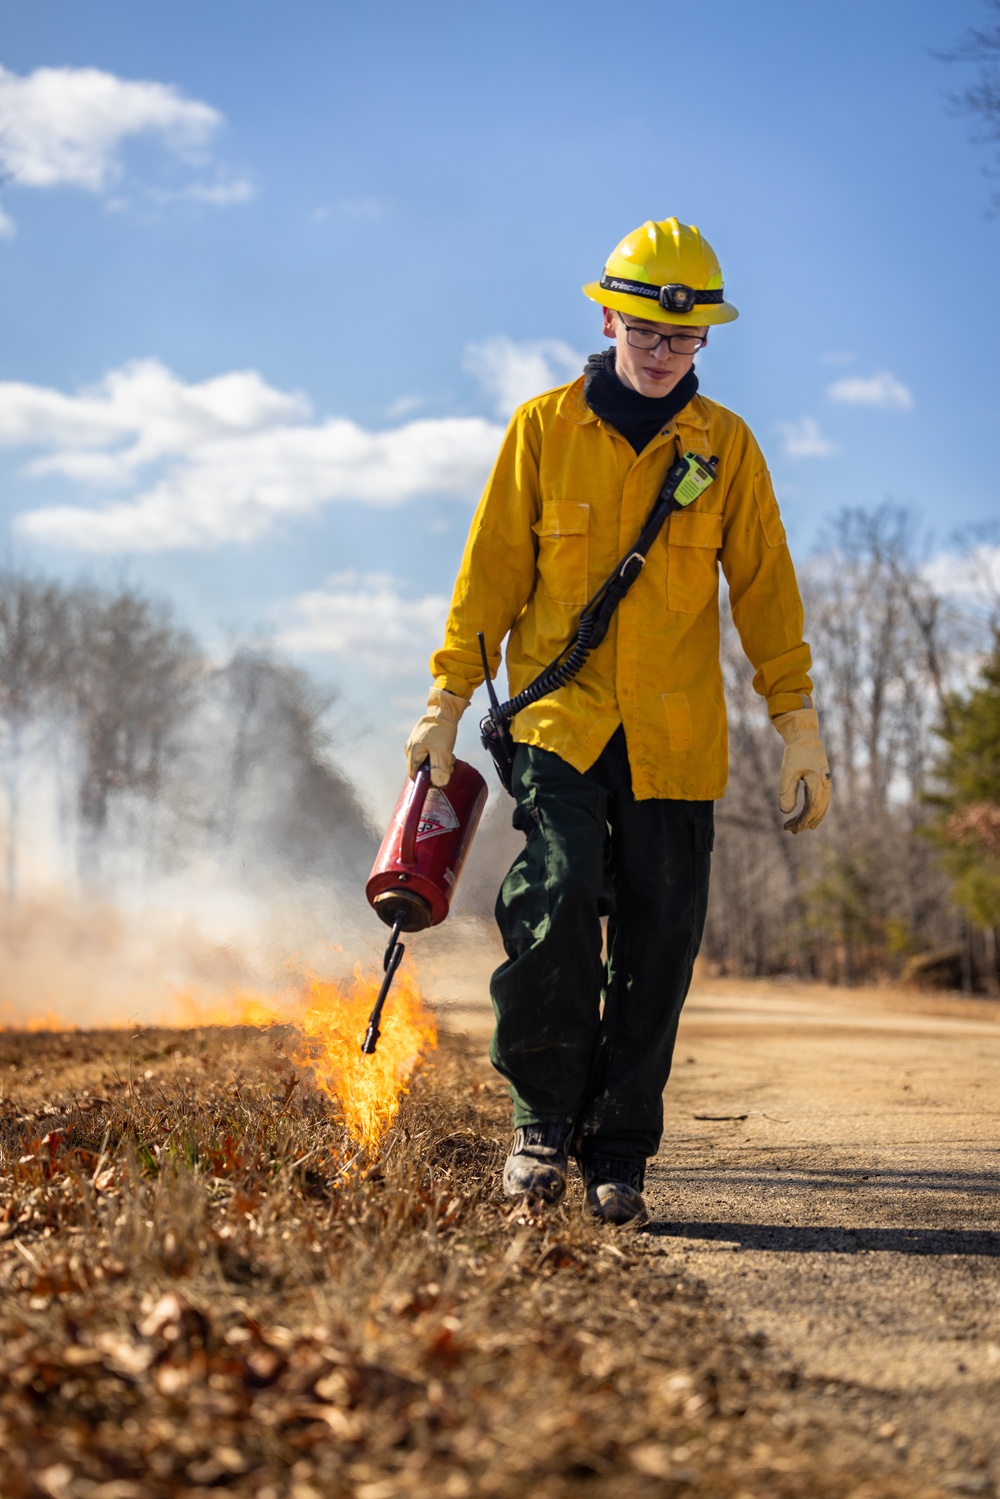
pixel 684 482
pixel 680 487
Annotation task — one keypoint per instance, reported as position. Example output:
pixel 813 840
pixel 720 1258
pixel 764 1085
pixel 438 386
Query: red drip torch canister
pixel 417 868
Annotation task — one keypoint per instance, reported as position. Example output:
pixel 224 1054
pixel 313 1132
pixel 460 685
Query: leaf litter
pixel 206 1287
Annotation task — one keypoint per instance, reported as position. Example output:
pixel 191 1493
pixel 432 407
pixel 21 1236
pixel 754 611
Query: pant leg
pixel 660 854
pixel 547 995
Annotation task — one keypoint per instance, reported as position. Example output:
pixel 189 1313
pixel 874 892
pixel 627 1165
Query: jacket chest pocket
pixel 563 550
pixel 693 542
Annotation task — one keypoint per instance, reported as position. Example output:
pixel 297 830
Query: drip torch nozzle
pixel 393 957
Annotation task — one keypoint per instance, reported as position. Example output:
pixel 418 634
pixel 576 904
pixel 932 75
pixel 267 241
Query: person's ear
pixel 610 327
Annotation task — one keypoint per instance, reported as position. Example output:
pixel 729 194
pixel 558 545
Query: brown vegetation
pixel 978 824
pixel 206 1289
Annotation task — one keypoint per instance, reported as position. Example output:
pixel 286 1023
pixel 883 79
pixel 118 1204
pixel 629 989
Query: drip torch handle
pixel 411 826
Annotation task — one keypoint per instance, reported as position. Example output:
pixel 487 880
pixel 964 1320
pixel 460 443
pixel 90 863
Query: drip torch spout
pixel 393 957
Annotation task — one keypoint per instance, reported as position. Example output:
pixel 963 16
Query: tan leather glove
pixel 804 760
pixel 433 736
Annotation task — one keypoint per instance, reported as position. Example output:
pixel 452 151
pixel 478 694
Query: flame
pixel 369 1089
pixel 190 1010
pixel 331 1023
pixel 47 1021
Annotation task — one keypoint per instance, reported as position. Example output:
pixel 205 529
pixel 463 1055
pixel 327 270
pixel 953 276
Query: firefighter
pixel 615 773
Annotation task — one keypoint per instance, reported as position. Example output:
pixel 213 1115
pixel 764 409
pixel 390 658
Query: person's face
pixel 652 372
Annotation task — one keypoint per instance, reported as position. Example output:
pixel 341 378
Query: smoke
pixel 175 834
pixel 70 961
pixel 168 827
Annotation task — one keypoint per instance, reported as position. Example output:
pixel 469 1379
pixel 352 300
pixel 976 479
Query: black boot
pixel 614 1190
pixel 537 1164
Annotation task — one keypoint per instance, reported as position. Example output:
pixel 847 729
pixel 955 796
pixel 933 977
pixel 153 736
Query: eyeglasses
pixel 648 338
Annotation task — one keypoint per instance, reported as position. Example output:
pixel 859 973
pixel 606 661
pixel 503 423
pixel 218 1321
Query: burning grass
pixel 207 1285
pixel 328 1019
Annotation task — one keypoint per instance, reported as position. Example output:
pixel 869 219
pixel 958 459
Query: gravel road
pixel 829 1171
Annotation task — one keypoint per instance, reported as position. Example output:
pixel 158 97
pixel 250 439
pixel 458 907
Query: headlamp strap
pixel 674 297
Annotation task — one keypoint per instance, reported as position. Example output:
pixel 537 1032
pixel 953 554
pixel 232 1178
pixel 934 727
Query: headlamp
pixel 675 297
pixel 678 298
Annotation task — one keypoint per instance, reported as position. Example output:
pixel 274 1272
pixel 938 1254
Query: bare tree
pixel 756 913
pixel 133 678
pixel 231 760
pixel 34 640
pixel 884 647
pixel 856 898
pixel 278 777
pixel 981 100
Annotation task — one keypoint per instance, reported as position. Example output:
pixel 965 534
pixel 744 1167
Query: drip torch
pixel 417 868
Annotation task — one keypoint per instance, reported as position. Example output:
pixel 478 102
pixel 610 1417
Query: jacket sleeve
pixel 763 593
pixel 497 574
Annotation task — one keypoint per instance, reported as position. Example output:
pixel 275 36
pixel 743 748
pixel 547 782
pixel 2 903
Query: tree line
pixel 903 877
pixel 144 752
pixel 150 755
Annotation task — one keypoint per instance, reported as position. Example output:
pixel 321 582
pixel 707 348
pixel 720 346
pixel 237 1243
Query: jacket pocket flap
pixel 563 518
pixel 695 528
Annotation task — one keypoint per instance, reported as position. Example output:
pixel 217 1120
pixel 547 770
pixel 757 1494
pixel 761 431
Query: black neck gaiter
pixel 637 417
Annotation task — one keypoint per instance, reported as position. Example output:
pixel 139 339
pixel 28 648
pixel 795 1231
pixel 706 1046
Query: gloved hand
pixel 433 735
pixel 804 760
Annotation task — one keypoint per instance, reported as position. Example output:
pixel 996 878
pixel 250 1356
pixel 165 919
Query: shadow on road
pixel 835 1239
pixel 791 1179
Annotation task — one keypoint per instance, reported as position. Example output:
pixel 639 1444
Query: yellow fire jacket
pixel 566 499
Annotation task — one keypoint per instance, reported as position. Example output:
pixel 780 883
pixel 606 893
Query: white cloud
pixel 512 372
pixel 803 439
pixel 837 357
pixel 136 415
pixel 7 226
pixel 403 406
pixel 66 127
pixel 221 194
pixel 361 208
pixel 192 466
pixel 352 208
pixel 366 618
pixel 973 575
pixel 882 390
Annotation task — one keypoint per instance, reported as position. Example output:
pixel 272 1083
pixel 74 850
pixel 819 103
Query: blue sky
pixel 272 278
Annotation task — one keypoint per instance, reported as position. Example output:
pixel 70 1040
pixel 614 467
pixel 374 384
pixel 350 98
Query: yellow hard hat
pixel 664 272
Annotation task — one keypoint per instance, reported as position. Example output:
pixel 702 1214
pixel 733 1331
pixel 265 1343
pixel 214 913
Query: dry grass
pixel 204 1289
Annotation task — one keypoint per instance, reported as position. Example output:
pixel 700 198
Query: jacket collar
pixel 573 408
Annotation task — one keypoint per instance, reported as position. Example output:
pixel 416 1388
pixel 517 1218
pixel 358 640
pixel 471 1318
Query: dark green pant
pixel 592 850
